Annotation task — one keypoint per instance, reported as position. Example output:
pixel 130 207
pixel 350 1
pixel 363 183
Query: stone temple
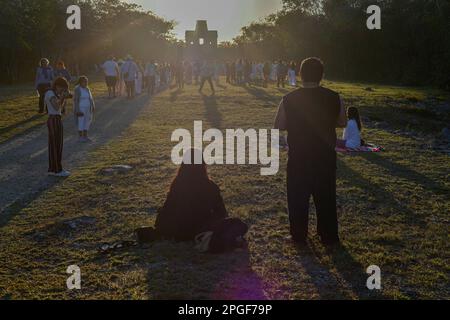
pixel 201 43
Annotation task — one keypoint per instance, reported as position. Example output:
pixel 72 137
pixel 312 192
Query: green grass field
pixel 393 207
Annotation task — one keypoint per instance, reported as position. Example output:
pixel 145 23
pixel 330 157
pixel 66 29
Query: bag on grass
pixel 225 236
pixel 146 235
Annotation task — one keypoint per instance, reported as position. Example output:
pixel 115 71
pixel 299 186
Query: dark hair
pixel 82 78
pixel 60 82
pixel 61 63
pixel 311 70
pixel 353 114
pixel 190 175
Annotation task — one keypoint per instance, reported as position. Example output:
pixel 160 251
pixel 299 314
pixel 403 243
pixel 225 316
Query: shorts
pixel 130 85
pixel 111 81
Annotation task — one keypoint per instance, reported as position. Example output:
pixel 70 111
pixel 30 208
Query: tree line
pixel 31 29
pixel 412 47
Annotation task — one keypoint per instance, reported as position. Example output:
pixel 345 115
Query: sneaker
pixel 63 174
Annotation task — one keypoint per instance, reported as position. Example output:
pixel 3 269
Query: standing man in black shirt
pixel 310 115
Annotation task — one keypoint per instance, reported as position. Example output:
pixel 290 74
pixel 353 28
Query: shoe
pixel 63 174
pixel 51 174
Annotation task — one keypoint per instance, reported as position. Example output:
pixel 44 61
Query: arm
pixel 57 103
pixel 342 118
pixel 92 101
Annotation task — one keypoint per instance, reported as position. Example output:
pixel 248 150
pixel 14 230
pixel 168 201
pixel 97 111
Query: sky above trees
pixel 227 16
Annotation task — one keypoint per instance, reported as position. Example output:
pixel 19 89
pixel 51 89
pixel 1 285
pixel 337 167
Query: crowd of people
pixel 194 209
pixel 129 77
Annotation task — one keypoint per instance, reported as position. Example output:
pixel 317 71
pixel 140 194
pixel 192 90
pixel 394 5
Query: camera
pixel 67 94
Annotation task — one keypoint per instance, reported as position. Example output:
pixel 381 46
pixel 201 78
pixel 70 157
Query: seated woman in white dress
pixel 352 133
pixel 84 107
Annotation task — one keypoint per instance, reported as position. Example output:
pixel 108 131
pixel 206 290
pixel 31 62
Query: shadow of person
pixel 213 116
pixel 380 195
pixel 180 272
pixel 262 94
pixel 174 94
pixel 20 124
pixel 28 179
pixel 326 284
pixel 350 274
pixel 403 172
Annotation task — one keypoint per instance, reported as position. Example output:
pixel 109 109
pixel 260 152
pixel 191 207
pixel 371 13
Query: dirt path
pixel 24 159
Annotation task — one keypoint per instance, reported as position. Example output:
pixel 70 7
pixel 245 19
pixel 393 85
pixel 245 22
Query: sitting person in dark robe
pixel 194 211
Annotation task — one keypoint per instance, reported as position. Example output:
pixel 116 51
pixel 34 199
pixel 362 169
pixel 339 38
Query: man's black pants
pixel 320 183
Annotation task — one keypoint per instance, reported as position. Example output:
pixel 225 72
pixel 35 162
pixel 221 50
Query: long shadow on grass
pixel 174 95
pixel 20 123
pixel 325 282
pixel 261 94
pixel 406 173
pixel 381 196
pixel 182 273
pixel 24 162
pixel 350 275
pixel 212 113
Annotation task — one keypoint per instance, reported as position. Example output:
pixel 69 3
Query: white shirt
pixel 110 68
pixel 351 135
pixel 130 68
pixel 48 96
pixel 85 99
